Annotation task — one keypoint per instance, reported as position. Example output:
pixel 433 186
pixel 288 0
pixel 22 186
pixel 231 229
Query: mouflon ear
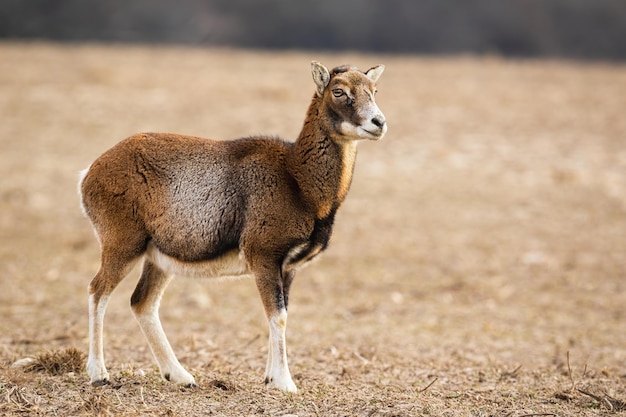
pixel 321 76
pixel 374 73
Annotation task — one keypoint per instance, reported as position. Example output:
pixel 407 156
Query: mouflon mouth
pixel 376 134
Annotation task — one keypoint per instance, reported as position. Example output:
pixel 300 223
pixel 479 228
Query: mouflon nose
pixel 379 122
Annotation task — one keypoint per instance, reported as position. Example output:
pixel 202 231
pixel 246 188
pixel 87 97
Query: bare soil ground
pixel 477 268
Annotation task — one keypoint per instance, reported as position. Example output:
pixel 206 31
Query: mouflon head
pixel 348 95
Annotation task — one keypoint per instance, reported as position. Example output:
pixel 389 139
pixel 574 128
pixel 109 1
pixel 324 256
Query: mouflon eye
pixel 338 92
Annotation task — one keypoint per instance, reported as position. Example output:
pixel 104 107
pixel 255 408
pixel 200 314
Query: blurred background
pixel 579 29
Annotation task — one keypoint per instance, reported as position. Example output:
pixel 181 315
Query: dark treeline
pixel 585 29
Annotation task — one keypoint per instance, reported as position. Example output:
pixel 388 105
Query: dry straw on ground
pixel 476 269
pixel 57 362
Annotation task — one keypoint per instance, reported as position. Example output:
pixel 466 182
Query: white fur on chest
pixel 231 265
pixel 289 265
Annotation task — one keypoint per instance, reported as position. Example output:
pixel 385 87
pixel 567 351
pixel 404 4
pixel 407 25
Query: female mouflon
pixel 257 206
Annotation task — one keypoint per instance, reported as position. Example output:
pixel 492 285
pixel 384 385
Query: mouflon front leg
pixel 271 287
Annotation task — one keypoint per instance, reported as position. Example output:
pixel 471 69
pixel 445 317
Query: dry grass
pixel 57 362
pixel 477 267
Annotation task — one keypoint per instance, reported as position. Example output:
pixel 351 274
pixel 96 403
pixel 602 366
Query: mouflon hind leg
pixel 145 303
pixel 114 267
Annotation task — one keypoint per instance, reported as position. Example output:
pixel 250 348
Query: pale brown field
pixel 477 268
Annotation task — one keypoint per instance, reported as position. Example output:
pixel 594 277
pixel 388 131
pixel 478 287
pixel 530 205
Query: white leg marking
pixel 277 372
pixel 148 319
pixel 268 364
pixel 95 363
